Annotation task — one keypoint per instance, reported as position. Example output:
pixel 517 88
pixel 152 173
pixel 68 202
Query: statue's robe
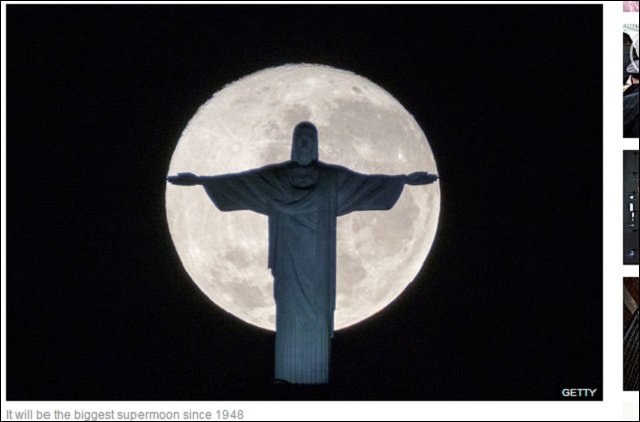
pixel 302 249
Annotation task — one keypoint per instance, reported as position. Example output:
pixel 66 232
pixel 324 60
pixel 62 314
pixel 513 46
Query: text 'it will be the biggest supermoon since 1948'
pixel 249 124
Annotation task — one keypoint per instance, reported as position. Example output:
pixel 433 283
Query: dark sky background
pixel 509 303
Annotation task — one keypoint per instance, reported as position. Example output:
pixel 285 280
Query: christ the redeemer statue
pixel 302 198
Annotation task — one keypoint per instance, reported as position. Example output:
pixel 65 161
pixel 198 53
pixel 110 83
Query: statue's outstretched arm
pixel 420 178
pixel 184 179
pixel 248 190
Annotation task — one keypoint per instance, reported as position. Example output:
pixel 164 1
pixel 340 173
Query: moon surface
pixel 249 124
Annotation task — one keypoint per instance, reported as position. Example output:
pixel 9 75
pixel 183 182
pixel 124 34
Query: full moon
pixel 249 124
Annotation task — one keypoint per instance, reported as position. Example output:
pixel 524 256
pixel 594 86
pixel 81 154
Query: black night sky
pixel 509 304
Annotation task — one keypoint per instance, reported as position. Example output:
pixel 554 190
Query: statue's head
pixel 304 150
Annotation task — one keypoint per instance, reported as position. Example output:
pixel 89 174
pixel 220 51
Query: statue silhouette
pixel 302 198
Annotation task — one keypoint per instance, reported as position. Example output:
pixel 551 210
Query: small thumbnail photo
pixel 630 204
pixel 631 358
pixel 630 78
